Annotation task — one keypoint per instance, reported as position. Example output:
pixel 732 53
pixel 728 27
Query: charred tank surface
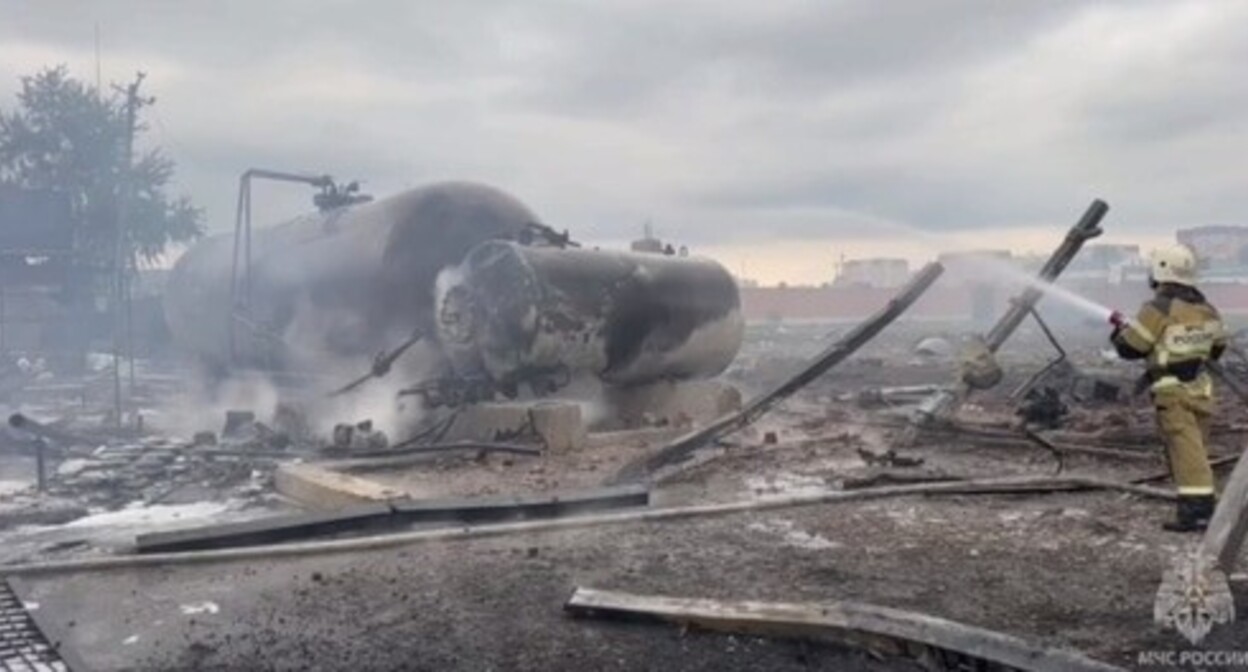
pixel 544 315
pixel 348 282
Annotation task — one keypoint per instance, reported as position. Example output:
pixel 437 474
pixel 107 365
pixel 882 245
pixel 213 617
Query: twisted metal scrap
pixel 1194 596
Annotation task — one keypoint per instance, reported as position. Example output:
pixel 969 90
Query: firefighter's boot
pixel 1192 514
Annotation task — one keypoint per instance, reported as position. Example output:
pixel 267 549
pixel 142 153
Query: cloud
pixel 726 122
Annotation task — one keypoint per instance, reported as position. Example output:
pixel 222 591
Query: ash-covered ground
pixel 1064 569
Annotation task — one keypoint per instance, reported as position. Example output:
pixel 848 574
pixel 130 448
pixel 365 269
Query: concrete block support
pixel 558 425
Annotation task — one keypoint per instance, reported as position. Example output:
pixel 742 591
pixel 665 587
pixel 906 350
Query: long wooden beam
pixel 880 629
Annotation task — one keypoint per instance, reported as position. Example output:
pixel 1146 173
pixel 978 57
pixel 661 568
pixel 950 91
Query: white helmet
pixel 1176 264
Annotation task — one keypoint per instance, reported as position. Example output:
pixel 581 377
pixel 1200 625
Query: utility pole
pixel 98 90
pixel 121 251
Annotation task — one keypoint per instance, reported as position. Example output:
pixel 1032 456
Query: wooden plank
pixel 316 487
pixel 849 623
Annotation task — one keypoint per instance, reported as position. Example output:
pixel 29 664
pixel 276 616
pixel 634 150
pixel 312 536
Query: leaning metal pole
pixel 946 401
pixel 683 448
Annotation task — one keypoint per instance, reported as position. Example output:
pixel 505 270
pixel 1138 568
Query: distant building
pixel 987 276
pixel 880 272
pixel 1217 245
pixel 974 266
pixel 1104 256
pixel 1114 264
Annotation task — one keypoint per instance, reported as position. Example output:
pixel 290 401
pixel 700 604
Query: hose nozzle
pixel 1117 319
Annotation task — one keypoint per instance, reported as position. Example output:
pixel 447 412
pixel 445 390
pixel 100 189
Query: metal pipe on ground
pixel 683 448
pixel 42 430
pixel 275 529
pixel 1013 485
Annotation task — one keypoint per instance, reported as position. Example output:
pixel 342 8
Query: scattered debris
pixel 360 437
pixel 978 367
pixel 889 458
pixel 874 397
pixel 1043 407
pixel 238 424
pixel 792 536
pixel 934 347
pixel 683 448
pixel 29 509
pixel 200 608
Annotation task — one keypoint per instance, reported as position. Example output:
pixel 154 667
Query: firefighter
pixel 1177 332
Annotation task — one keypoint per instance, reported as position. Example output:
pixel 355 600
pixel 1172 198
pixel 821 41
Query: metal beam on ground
pixel 375 517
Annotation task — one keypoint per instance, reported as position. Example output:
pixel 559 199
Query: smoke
pixel 202 408
pixel 315 337
pixel 313 356
pixel 378 399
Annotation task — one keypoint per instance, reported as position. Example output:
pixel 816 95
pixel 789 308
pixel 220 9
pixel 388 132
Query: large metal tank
pixel 346 283
pixel 545 315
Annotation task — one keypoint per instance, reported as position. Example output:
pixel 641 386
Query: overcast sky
pixel 774 135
